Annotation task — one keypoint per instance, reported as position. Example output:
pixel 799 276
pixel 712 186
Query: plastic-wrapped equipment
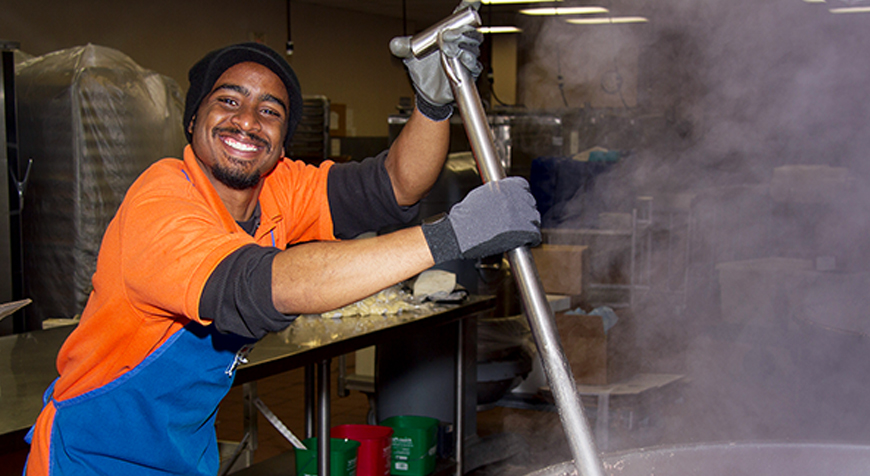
pixel 91 120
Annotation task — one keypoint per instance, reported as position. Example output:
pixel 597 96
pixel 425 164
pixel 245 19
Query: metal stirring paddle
pixel 535 305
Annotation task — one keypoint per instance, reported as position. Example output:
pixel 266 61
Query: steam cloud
pixel 762 301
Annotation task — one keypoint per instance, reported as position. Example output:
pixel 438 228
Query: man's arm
pixel 322 276
pixel 416 157
pixel 317 277
pixel 257 290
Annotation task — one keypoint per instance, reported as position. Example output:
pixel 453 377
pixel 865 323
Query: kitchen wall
pixel 566 66
pixel 340 54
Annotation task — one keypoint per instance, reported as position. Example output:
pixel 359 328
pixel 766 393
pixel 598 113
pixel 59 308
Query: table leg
pixel 249 395
pixel 309 399
pixel 465 416
pixel 323 411
pixel 602 420
pixel 248 444
pixel 459 416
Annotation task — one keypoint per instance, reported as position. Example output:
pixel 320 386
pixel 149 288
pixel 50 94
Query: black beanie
pixel 206 72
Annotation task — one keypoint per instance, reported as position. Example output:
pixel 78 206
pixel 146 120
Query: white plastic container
pixel 835 302
pixel 809 183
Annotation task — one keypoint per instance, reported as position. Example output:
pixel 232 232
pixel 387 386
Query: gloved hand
pixel 493 218
pixel 434 94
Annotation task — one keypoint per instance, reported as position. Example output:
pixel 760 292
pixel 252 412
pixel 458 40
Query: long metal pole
pixel 534 299
pixel 535 304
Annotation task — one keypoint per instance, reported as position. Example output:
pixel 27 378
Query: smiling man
pixel 246 125
pixel 197 265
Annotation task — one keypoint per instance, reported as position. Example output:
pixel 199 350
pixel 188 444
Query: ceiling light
pixel 564 11
pixel 499 29
pixel 502 2
pixel 605 20
pixel 850 10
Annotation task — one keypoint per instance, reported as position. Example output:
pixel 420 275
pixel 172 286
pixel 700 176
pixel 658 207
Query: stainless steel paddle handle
pixel 535 304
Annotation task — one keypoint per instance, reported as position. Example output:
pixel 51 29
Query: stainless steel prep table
pixel 27 368
pixel 28 360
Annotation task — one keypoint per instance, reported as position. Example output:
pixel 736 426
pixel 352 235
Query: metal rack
pixel 650 252
pixel 518 137
pixel 311 140
pixel 662 229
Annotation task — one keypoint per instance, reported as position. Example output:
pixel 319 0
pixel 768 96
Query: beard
pixel 235 179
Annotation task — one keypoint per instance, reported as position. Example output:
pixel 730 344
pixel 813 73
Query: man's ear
pixel 190 126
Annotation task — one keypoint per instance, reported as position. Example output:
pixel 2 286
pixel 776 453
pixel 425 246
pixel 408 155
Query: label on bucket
pixel 402 447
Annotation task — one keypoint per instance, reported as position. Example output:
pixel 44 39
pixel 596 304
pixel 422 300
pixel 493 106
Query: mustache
pixel 261 141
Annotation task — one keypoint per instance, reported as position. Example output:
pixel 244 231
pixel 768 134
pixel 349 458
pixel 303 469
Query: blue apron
pixel 157 418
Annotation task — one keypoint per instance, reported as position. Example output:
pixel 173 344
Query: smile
pixel 239 146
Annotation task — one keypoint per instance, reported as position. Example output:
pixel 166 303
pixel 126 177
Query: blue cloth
pixel 556 182
pixel 608 317
pixel 158 418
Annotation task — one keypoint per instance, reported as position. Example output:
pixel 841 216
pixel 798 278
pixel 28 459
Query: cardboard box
pixel 564 269
pixel 597 357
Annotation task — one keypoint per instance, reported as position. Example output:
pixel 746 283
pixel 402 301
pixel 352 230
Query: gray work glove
pixel 434 94
pixel 493 218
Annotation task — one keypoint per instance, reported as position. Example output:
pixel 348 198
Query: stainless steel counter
pixel 27 367
pixel 311 339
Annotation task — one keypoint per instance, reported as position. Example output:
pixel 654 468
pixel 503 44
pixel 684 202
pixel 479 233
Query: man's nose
pixel 246 119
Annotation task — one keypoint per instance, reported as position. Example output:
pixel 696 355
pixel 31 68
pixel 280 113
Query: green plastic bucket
pixel 415 444
pixel 342 457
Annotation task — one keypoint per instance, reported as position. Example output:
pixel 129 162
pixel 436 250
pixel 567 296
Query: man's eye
pixel 228 101
pixel 272 112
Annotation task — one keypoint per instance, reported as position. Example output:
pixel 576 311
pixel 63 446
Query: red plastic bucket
pixel 374 450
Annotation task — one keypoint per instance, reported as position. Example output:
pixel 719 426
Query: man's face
pixel 238 130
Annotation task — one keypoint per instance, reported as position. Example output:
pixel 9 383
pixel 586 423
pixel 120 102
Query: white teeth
pixel 239 145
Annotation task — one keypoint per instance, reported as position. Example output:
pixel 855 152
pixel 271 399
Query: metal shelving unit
pixel 647 255
pixel 311 140
pixel 11 192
